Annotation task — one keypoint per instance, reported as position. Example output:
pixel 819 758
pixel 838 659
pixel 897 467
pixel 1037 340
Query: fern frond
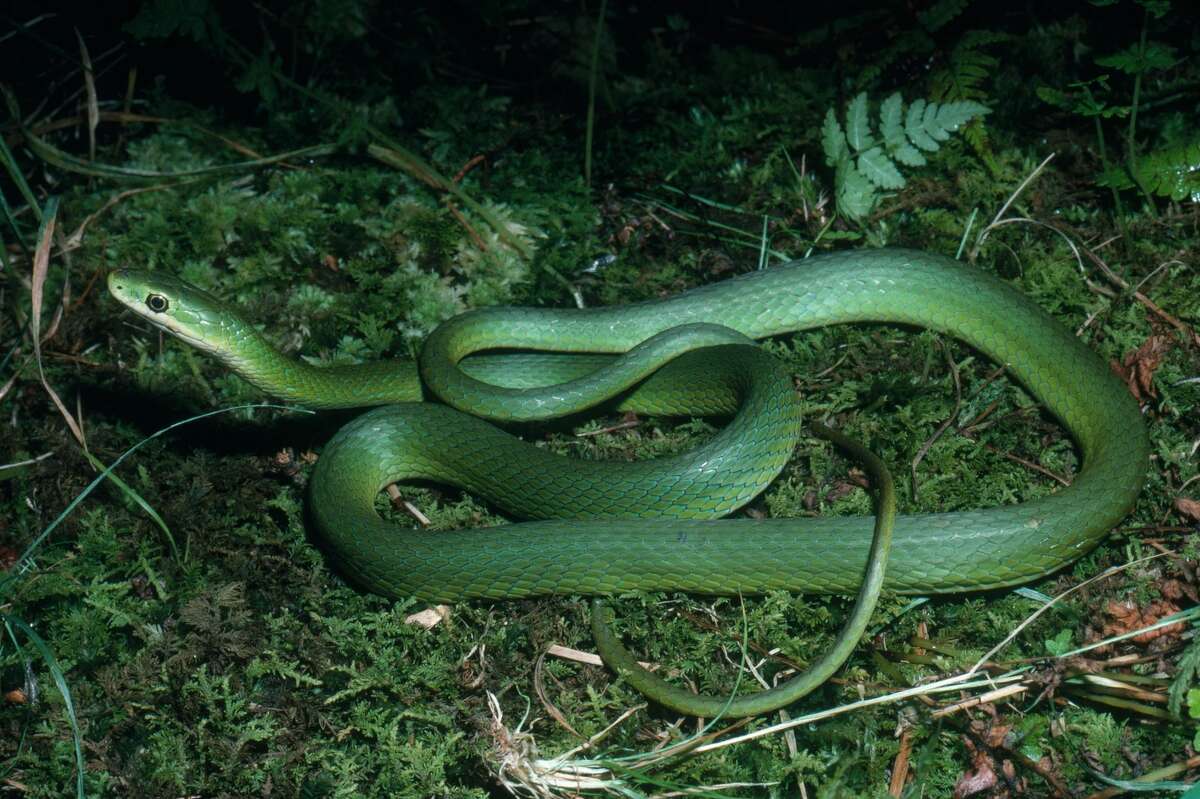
pixel 976 135
pixel 865 165
pixel 962 78
pixel 967 67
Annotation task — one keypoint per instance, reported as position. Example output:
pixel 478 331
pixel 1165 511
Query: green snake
pixel 603 530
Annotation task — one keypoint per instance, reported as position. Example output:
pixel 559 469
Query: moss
pixel 243 666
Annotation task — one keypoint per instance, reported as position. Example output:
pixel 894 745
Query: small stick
pixel 1028 464
pixel 398 499
pixel 900 767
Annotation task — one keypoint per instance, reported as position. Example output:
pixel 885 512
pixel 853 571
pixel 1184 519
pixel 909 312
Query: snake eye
pixel 157 303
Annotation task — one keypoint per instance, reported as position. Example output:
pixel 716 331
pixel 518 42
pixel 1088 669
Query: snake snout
pixel 115 278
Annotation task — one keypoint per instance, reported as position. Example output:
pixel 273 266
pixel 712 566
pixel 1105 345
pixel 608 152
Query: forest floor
pixel 177 632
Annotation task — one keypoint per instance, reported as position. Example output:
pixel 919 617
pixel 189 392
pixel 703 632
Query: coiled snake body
pixel 625 543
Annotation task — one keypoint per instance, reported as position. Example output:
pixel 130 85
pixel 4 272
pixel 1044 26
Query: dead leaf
pixel 982 775
pixel 430 617
pixel 89 84
pixel 41 265
pixel 1188 507
pixel 1138 367
pixel 1125 616
pixel 1172 589
pixel 996 734
pixel 591 659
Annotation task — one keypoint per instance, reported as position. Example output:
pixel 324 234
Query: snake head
pixel 179 308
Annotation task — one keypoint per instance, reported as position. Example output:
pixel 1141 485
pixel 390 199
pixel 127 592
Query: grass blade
pixel 23 562
pixel 60 681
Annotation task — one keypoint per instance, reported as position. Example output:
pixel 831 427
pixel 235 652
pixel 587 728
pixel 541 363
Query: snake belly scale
pixel 620 547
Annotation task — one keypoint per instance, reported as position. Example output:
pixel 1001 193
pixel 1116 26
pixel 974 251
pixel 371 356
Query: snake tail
pixel 620 660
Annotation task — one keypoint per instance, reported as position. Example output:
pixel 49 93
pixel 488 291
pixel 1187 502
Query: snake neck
pixel 319 387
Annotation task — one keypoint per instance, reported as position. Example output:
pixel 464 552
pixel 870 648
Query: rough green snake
pixel 671 356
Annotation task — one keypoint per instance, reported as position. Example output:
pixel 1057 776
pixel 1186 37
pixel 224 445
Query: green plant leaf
pixel 879 169
pixel 1134 60
pixel 1084 103
pixel 864 165
pixel 858 124
pixel 1055 97
pixel 1193 701
pixel 833 140
pixel 966 68
pixel 950 117
pixel 1060 643
pixel 856 195
pixel 891 122
pixel 909 155
pixel 927 124
pixel 1172 172
pixel 259 77
pixel 915 129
